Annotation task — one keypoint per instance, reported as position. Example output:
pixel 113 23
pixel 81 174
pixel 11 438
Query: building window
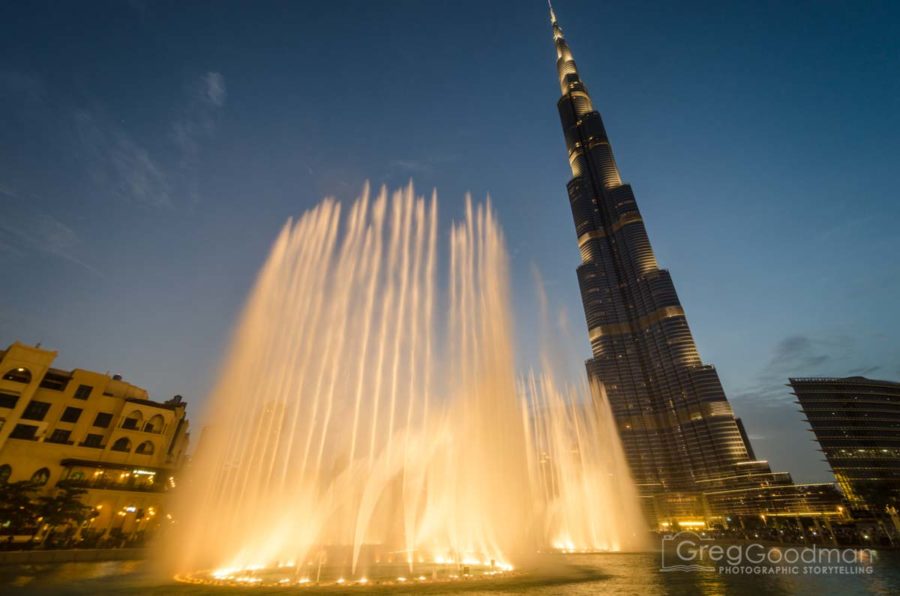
pixel 41 477
pixel 23 431
pixel 93 440
pixel 103 419
pixel 55 381
pixel 71 414
pixel 8 400
pixel 18 375
pixel 36 410
pixel 122 444
pixel 154 425
pixel 83 392
pixel 59 436
pixel 5 473
pixel 133 421
pixel 145 448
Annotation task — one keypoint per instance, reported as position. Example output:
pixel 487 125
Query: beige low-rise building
pixel 90 430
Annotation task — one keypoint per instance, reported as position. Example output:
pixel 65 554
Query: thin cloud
pixel 207 97
pixel 421 166
pixel 865 370
pixel 26 87
pixel 24 230
pixel 119 164
pixel 799 356
pixel 215 88
pixel 797 352
pixel 412 166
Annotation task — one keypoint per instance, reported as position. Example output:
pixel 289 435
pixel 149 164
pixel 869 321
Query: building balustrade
pixel 110 484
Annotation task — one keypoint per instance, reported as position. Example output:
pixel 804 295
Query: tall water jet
pixel 587 501
pixel 585 497
pixel 364 419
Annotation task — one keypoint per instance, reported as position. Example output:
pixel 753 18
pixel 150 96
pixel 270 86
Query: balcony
pixel 96 475
pixel 131 484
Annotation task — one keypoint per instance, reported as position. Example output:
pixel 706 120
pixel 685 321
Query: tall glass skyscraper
pixel 677 427
pixel 857 423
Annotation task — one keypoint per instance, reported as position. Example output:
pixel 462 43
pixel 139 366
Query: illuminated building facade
pixel 89 430
pixel 857 424
pixel 678 430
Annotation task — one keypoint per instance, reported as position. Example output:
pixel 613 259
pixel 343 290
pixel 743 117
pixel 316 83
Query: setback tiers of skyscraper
pixel 679 432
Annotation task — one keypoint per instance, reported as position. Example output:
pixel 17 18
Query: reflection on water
pixel 586 574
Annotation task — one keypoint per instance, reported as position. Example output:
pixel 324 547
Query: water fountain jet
pixel 355 428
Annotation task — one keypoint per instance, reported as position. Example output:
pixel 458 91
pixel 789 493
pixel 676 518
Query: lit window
pixel 18 375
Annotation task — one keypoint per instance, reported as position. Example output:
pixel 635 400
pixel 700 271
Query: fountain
pixel 369 428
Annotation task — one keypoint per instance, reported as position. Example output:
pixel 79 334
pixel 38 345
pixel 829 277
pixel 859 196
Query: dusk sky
pixel 150 151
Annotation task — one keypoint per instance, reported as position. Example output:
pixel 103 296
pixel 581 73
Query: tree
pixel 63 508
pixel 17 511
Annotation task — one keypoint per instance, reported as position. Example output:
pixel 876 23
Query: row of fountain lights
pixel 245 576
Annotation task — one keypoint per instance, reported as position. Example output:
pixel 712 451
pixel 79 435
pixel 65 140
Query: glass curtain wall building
pixel 857 424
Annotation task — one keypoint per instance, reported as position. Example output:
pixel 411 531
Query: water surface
pixel 615 574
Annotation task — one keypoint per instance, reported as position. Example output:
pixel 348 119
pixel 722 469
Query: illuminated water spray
pixel 365 423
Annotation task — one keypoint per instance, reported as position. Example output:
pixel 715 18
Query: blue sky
pixel 150 151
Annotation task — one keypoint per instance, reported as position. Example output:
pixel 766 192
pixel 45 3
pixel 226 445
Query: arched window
pixel 19 375
pixel 146 448
pixel 155 424
pixel 122 444
pixel 41 477
pixel 5 473
pixel 133 421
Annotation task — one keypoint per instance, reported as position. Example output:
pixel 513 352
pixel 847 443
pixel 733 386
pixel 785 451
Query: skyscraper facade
pixel 679 432
pixel 857 423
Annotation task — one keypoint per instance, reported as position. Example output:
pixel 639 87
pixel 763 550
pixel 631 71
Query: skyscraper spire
pixel 576 110
pixel 569 80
